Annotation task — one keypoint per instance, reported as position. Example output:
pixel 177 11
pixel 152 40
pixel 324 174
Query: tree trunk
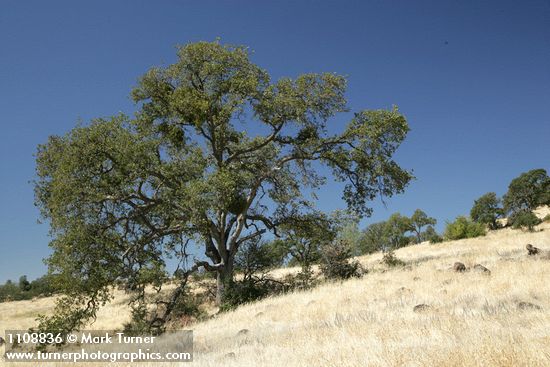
pixel 223 280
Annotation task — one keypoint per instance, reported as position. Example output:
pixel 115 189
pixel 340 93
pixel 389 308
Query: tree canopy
pixel 216 155
pixel 487 209
pixel 527 191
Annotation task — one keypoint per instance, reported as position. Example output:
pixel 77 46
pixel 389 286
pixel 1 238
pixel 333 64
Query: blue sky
pixel 472 77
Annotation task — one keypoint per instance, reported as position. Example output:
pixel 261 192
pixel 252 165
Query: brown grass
pixel 474 319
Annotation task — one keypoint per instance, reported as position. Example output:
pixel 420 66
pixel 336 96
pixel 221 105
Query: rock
pixel 528 306
pixel 459 267
pixel 243 332
pixel 482 269
pixel 421 308
pixel 259 314
pixel 532 250
pixel 416 278
pixel 1 341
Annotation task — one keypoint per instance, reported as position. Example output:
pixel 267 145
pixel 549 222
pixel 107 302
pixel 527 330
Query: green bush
pixel 335 263
pixel 24 290
pixel 253 262
pixel 524 219
pixel 463 227
pixel 391 260
pixel 431 235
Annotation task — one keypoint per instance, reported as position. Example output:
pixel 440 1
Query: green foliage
pixel 546 218
pixel 374 238
pixel 303 237
pixel 419 220
pixel 391 260
pixel 487 209
pixel 335 261
pixel 186 307
pixel 392 234
pixel 258 257
pixel 24 290
pixel 24 284
pixel 254 260
pixel 123 195
pixel 527 191
pixel 463 227
pixel 73 311
pixel 346 225
pixel 396 227
pixel 431 235
pixel 524 219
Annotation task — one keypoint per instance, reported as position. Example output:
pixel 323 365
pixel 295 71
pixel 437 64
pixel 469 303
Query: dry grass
pixel 474 319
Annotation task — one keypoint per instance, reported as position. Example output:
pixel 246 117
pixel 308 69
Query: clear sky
pixel 472 78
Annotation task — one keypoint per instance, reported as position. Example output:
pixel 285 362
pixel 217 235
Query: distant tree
pixel 419 220
pixel 258 256
pixel 336 263
pixel 524 219
pixel 373 238
pixel 528 191
pixel 253 261
pixel 303 238
pixel 431 235
pixel 24 284
pixel 347 227
pixel 487 209
pixel 396 227
pixel 386 235
pixel 463 227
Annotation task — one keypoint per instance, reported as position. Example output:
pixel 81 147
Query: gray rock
pixel 482 269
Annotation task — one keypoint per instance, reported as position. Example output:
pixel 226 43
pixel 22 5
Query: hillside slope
pixel 472 319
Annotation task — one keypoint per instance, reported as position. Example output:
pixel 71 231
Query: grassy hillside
pixel 472 319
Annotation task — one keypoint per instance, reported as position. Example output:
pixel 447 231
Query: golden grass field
pixel 474 319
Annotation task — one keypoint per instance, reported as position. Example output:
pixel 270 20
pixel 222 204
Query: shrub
pixel 546 218
pixel 524 219
pixel 335 263
pixel 431 235
pixel 391 260
pixel 463 227
pixel 24 290
pixel 253 261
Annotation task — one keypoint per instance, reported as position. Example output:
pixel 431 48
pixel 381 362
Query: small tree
pixel 253 262
pixel 335 261
pixel 396 227
pixel 463 227
pixel 419 220
pixel 373 238
pixel 387 235
pixel 346 224
pixel 303 238
pixel 431 235
pixel 525 219
pixel 487 209
pixel 528 191
pixel 24 284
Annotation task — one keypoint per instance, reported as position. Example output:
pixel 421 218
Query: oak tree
pixel 217 154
